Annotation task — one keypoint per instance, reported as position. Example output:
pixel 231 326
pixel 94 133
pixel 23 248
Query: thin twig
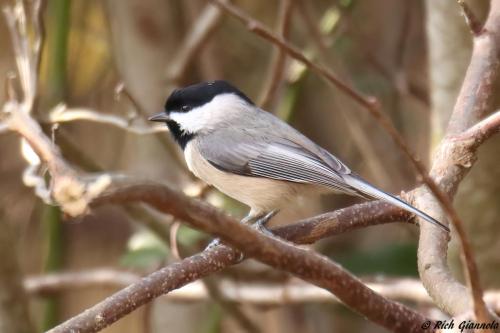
pixel 61 114
pixel 257 28
pixel 197 37
pixel 277 67
pixel 475 26
pixel 414 89
pixel 312 27
pixel 163 140
pixel 293 291
pixel 67 187
pixel 481 131
pixel 355 123
pixel 174 229
pixel 26 53
pixel 56 282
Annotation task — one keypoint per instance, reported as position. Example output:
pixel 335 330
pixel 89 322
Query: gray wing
pixel 256 155
pixel 278 158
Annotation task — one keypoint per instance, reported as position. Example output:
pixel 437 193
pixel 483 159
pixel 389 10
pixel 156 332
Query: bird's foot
pixel 216 242
pixel 213 243
pixel 260 223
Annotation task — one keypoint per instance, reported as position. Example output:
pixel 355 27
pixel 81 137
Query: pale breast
pixel 260 194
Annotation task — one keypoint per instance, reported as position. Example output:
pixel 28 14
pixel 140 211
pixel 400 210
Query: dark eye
pixel 186 108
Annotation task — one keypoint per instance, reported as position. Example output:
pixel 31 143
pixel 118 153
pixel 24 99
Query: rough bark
pixel 450 46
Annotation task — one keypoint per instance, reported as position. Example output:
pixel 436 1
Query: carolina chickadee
pixel 254 157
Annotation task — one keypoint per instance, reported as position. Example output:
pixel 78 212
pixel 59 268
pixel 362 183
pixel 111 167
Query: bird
pixel 254 157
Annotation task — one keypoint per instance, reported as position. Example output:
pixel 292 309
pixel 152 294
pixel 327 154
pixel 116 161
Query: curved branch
pixel 200 33
pixel 452 161
pixel 277 67
pixel 305 264
pixel 481 131
pixel 475 26
pixel 61 114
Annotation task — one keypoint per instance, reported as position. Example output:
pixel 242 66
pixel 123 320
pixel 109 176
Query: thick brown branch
pixel 137 294
pixel 304 264
pixel 306 231
pixel 475 99
pixel 343 220
pixel 452 161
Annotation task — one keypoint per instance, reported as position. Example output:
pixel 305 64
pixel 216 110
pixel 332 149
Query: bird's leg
pixel 213 243
pixel 261 222
pixel 249 219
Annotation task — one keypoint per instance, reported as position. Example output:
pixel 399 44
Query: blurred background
pixel 123 58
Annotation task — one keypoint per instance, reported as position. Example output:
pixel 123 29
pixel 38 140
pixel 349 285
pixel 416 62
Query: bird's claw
pixel 260 224
pixel 215 242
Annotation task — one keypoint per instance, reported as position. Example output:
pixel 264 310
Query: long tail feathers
pixel 374 192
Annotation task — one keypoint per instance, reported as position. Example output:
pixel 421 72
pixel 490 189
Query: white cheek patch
pixel 191 121
pixel 208 115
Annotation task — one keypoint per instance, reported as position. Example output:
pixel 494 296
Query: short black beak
pixel 160 117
